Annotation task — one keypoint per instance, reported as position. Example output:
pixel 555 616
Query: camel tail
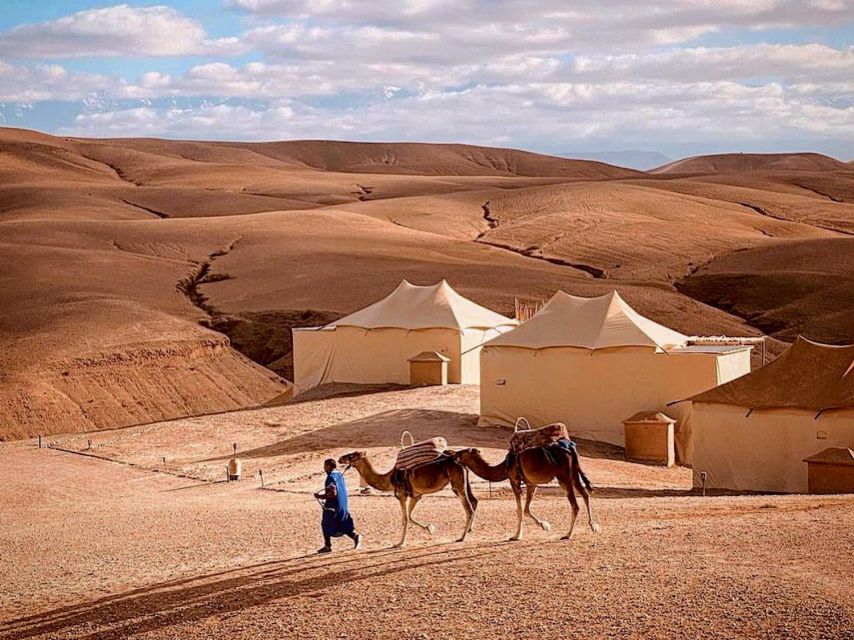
pixel 582 476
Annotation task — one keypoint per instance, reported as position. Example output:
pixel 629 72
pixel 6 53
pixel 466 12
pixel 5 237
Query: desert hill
pixel 786 289
pixel 133 268
pixel 739 162
pixel 407 158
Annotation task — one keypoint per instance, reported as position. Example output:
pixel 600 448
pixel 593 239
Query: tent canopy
pixel 808 375
pixel 412 307
pixel 589 323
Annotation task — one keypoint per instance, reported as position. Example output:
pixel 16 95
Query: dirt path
pixel 97 549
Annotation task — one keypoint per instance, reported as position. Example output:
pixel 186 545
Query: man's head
pixel 329 465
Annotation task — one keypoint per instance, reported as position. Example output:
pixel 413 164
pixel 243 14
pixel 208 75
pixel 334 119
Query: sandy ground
pixel 94 548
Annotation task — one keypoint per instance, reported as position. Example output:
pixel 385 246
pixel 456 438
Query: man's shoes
pixel 357 541
pixel 325 550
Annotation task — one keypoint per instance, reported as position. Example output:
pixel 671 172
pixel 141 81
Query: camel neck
pixel 379 481
pixel 493 473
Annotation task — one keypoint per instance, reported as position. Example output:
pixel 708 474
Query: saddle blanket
pixel 420 453
pixel 542 437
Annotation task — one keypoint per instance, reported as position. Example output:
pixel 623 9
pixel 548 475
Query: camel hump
pixel 421 453
pixel 541 437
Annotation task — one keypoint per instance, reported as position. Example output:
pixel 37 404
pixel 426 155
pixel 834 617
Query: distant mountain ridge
pixel 630 158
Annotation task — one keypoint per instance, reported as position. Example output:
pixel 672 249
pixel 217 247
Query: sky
pixel 680 78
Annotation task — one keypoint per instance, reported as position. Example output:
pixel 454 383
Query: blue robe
pixel 336 518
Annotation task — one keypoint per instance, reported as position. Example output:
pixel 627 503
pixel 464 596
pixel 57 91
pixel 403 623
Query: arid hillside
pixel 734 162
pixel 144 280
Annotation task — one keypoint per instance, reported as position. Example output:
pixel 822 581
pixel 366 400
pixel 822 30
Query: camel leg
pixel 576 480
pixel 458 486
pixel 473 501
pixel 530 490
pixel 405 516
pixel 570 494
pixel 594 526
pixel 517 492
pixel 429 528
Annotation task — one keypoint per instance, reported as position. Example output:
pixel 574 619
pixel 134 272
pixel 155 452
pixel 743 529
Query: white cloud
pixel 586 22
pixel 513 72
pixel 818 66
pixel 535 115
pixel 50 82
pixel 120 30
pixel 788 61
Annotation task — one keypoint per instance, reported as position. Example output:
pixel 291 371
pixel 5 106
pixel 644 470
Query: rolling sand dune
pixel 738 162
pixel 132 268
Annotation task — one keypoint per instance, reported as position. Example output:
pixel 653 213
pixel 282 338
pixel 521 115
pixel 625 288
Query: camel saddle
pixel 543 437
pixel 420 453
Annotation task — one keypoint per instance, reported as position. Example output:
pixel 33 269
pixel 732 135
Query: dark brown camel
pixel 423 479
pixel 535 466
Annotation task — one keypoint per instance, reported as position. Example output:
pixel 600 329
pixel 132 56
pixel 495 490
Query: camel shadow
pixel 184 601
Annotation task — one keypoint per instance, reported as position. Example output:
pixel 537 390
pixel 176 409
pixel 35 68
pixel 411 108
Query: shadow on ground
pixel 384 430
pixel 184 601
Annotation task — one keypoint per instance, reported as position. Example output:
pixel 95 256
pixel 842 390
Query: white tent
pixel 374 344
pixel 592 363
pixel 753 433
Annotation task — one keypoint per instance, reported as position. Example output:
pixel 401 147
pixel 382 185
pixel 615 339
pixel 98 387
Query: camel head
pixel 353 458
pixel 465 454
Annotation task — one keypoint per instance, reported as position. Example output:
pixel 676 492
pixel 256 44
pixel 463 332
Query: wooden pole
pixel 261 473
pixel 40 441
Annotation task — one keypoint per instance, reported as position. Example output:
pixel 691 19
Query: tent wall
pixel 765 450
pixel 471 343
pixel 381 355
pixel 730 366
pixel 593 391
pixel 313 351
pixel 368 356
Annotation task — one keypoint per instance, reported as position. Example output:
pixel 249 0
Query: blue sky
pixel 680 77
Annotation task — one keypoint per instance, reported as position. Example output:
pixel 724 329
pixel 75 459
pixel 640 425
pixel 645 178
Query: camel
pixel 423 479
pixel 535 467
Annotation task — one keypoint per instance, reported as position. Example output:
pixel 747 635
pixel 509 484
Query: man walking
pixel 336 520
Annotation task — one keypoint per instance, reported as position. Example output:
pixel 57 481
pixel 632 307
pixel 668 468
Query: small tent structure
pixel 592 362
pixel 754 433
pixel 374 345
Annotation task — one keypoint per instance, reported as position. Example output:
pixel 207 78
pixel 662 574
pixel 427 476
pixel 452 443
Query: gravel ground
pixel 94 548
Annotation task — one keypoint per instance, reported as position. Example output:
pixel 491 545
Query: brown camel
pixel 535 467
pixel 423 479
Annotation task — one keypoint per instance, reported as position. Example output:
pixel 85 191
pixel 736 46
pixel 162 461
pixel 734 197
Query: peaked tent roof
pixel 412 306
pixel 589 323
pixel 808 375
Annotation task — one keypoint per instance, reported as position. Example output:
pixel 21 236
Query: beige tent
pixel 373 345
pixel 592 363
pixel 753 433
